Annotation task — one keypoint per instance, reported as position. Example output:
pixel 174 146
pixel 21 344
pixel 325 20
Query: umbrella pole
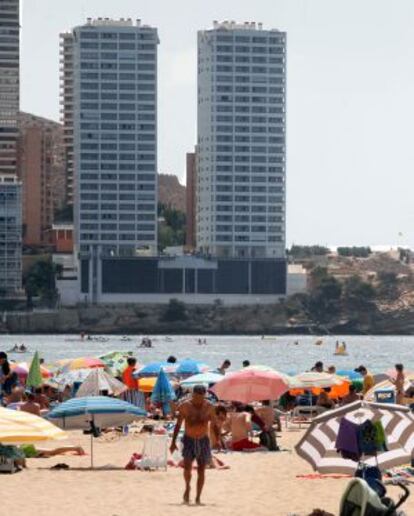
pixel 91 450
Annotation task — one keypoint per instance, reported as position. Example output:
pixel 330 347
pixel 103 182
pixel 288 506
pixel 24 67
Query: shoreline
pixel 268 320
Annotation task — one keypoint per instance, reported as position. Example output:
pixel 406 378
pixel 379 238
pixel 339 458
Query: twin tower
pixel 109 91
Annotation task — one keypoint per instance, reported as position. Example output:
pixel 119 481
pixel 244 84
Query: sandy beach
pixel 258 483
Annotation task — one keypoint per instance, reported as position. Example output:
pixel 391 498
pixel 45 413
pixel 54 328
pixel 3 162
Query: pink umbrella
pixel 247 386
pixel 22 370
pixel 392 373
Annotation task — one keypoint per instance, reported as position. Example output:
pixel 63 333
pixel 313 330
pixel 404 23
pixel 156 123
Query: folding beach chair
pixel 155 452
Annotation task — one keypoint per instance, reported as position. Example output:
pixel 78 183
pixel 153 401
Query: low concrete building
pixel 191 279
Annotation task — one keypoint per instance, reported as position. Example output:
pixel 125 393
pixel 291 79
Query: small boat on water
pixel 18 351
pixel 126 339
pixel 168 339
pixel 319 342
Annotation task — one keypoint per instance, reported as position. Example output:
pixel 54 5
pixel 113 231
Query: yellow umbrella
pixel 18 427
pixel 147 384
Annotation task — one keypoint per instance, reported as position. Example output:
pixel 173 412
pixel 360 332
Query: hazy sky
pixel 350 112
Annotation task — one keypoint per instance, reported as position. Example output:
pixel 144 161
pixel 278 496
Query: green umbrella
pixel 34 378
pixel 116 361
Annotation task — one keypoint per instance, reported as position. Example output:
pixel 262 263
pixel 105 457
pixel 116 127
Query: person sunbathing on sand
pixel 196 413
pixel 239 424
pixel 31 452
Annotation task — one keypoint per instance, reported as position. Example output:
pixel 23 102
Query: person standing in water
pixel 196 414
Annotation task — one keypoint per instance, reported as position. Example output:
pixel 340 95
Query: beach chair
pixel 303 414
pixel 155 452
pixel 7 465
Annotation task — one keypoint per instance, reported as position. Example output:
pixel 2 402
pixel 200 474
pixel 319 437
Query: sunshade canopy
pixel 248 386
pixel 99 380
pixel 317 446
pixel 102 410
pixel 18 427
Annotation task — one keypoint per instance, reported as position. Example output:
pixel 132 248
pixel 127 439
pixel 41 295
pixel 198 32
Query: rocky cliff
pixel 171 192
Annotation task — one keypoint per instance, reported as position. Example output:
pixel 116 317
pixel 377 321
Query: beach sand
pixel 256 483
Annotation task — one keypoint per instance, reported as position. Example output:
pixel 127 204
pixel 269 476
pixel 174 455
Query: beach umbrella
pixel 147 384
pixel 99 380
pixel 392 373
pixel 318 445
pixel 205 379
pixel 385 385
pixel 22 371
pixel 312 379
pixel 163 392
pixel 82 363
pixel 248 386
pixel 350 374
pixel 94 412
pixel 190 367
pixel 71 377
pixel 258 367
pixel 19 427
pixel 116 361
pixel 34 378
pixel 154 368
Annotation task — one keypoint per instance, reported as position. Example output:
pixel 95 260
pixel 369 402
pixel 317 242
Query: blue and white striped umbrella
pixel 94 412
pixel 78 413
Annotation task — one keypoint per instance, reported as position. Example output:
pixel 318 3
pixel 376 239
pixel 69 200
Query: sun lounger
pixel 155 452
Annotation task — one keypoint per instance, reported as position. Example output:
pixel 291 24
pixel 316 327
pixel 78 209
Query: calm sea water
pixel 377 353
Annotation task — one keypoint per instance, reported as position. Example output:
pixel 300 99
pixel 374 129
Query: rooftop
pixel 232 25
pixel 121 22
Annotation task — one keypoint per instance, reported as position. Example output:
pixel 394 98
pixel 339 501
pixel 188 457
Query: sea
pixel 288 354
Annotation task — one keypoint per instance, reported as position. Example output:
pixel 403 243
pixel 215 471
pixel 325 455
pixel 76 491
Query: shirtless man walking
pixel 196 413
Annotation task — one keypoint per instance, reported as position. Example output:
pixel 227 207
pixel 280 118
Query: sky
pixel 350 100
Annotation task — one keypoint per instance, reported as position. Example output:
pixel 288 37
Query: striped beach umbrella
pixel 19 427
pixel 318 445
pixel 93 413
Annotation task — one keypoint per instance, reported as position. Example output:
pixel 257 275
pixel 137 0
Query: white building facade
pixel 115 141
pixel 9 83
pixel 241 157
pixel 10 187
pixel 10 236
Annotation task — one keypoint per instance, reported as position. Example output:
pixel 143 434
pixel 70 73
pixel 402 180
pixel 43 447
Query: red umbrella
pixel 247 386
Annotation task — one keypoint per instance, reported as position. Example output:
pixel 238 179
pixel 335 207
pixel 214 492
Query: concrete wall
pixel 69 292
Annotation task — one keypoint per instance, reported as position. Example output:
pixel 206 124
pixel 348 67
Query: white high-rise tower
pixel 241 141
pixel 114 81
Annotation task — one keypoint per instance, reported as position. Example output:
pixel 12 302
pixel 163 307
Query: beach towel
pixel 367 438
pixel 347 443
pixel 380 438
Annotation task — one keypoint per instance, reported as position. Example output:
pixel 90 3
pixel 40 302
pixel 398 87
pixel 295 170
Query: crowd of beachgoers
pixel 240 409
